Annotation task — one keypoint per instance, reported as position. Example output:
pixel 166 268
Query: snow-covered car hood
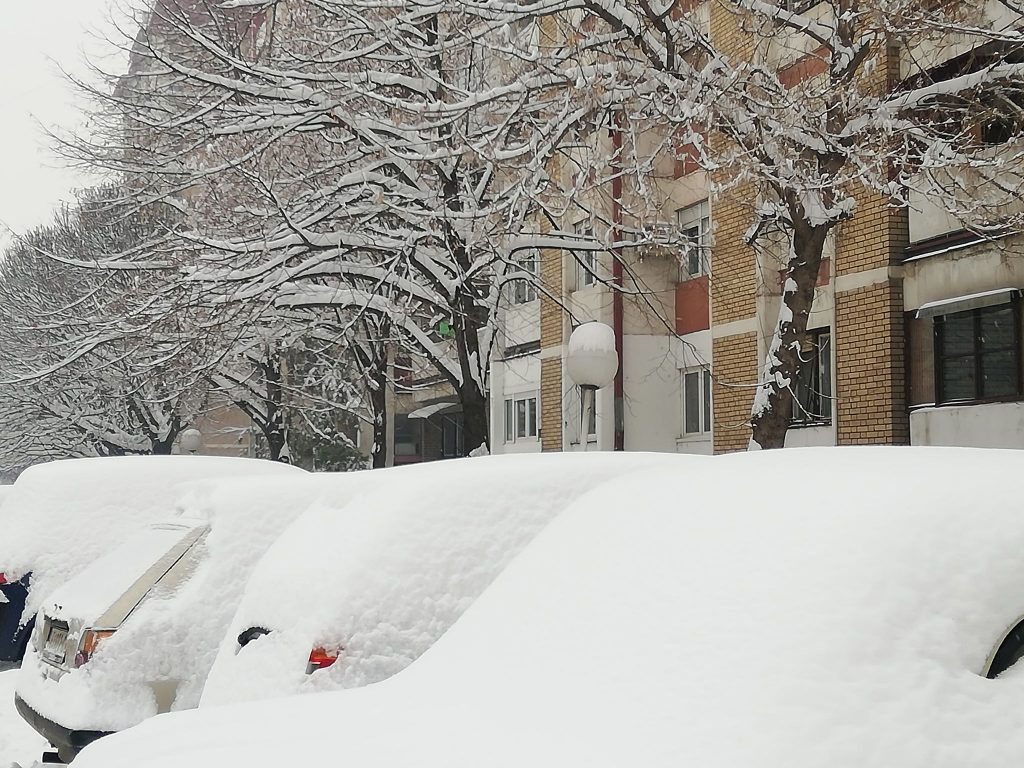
pixel 61 516
pixel 388 573
pixel 790 609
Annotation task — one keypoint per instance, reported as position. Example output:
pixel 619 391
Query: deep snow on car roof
pixel 385 574
pixel 793 608
pixel 62 515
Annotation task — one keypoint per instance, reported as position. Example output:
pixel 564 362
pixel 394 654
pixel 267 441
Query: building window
pixel 408 436
pixel 812 392
pixel 520 418
pixel 694 225
pixel 977 354
pixel 586 261
pixel 696 401
pixel 524 289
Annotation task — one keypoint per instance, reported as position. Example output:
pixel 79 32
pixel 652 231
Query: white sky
pixel 36 38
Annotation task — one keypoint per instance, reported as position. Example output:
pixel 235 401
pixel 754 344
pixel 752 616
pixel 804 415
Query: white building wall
pixel 517 376
pixel 651 399
pixel 993 425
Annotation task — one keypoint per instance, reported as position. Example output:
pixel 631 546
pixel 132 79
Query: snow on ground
pixel 383 576
pixel 18 742
pixel 61 516
pixel 784 609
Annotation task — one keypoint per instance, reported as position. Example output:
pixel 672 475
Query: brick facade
pixel 552 325
pixel 551 404
pixel 870 385
pixel 734 366
pixel 870 391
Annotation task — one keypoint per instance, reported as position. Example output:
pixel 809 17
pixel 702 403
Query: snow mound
pixel 783 609
pixel 18 742
pixel 61 516
pixel 386 574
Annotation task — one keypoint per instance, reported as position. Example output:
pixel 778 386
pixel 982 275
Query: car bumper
pixel 68 742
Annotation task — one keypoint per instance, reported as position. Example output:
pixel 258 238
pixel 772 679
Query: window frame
pixel 524 290
pixel 978 354
pixel 705 403
pixel 696 216
pixel 801 415
pixel 531 417
pixel 586 261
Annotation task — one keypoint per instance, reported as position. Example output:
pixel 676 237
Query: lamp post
pixel 191 441
pixel 591 362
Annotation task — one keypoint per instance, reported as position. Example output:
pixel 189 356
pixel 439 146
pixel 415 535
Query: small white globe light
pixel 591 360
pixel 191 441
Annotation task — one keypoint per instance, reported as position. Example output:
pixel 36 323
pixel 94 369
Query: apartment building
pixel 915 330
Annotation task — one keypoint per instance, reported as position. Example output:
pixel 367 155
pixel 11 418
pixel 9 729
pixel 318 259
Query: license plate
pixel 54 647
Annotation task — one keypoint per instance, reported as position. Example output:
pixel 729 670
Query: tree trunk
pixel 277 441
pixel 379 409
pixel 276 430
pixel 773 401
pixel 474 415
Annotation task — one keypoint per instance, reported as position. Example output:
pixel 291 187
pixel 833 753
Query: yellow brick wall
pixel 735 368
pixel 733 274
pixel 875 236
pixel 870 375
pixel 551 404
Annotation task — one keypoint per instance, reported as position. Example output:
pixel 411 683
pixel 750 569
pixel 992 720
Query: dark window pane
pixel 707 401
pixel 691 402
pixel 532 418
pixel 997 328
pixel 509 426
pixel 804 391
pixel 958 379
pixel 999 373
pixel 958 334
pixel 520 418
pixel 825 373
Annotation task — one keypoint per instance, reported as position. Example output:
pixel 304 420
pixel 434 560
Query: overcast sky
pixel 37 37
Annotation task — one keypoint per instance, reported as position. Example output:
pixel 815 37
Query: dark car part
pixel 252 633
pixel 1009 652
pixel 66 741
pixel 13 636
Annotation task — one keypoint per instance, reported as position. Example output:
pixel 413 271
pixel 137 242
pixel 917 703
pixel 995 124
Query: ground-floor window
pixel 812 392
pixel 696 401
pixel 521 418
pixel 977 354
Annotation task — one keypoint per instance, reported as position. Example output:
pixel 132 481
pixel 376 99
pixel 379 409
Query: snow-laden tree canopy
pixel 390 160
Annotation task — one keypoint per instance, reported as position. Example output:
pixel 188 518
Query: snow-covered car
pixel 782 609
pixel 60 516
pixel 135 632
pixel 352 593
pixel 88 610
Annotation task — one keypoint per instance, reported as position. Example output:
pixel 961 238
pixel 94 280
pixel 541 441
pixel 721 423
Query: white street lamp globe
pixel 591 360
pixel 191 441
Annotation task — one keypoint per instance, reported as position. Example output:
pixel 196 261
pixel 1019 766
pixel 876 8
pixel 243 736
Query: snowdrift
pixel 61 516
pixel 171 639
pixel 385 575
pixel 785 609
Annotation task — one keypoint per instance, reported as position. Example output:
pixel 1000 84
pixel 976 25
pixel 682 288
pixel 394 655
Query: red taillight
pixel 3 578
pixel 320 658
pixel 91 640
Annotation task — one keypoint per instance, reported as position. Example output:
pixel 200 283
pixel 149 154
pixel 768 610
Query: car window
pixel 1008 653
